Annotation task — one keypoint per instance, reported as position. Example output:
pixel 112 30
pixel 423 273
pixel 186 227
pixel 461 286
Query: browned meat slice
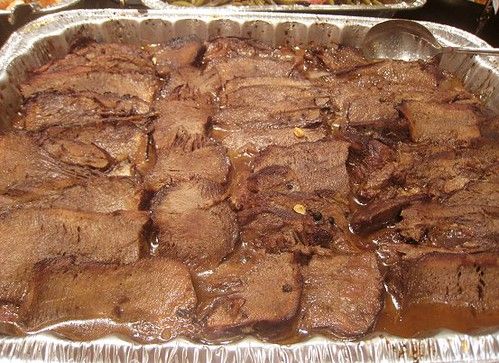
pixel 380 213
pixel 371 165
pixel 305 167
pixel 456 280
pixel 175 164
pixel 336 58
pixel 49 109
pixel 467 221
pixel 84 78
pixel 342 295
pixel 27 167
pixel 97 194
pixel 182 122
pixel 264 102
pixel 371 110
pixel 250 292
pixel 101 147
pixel 230 58
pixel 296 221
pixel 367 97
pixel 151 299
pixel 179 52
pixel 255 140
pixel 379 172
pixel 274 93
pixel 390 73
pixel 231 47
pixel 194 224
pixel 108 56
pixel 440 171
pixel 187 195
pixel 430 121
pixel 31 235
pixel 256 117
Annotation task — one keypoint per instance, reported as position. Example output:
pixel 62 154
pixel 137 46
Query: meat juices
pixel 215 189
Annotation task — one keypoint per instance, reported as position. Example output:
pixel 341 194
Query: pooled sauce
pixel 424 320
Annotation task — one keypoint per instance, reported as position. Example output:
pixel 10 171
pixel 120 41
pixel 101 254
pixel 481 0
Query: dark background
pixel 463 14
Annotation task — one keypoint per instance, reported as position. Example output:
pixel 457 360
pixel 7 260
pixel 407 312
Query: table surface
pixel 459 13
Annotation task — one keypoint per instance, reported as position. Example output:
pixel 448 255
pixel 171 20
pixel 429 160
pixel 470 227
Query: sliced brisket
pixel 456 280
pixel 67 109
pixel 441 122
pixel 209 162
pixel 249 293
pixel 305 167
pixel 151 299
pixel 28 236
pixel 194 224
pixel 342 295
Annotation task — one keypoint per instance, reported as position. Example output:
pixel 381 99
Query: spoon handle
pixel 471 50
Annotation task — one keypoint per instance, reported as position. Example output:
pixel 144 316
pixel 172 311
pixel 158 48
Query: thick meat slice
pixel 296 221
pixel 336 58
pixel 256 117
pixel 231 58
pixel 367 97
pixel 273 93
pixel 224 48
pixel 27 167
pixel 187 195
pixel 305 167
pixel 430 121
pixel 151 299
pixel 194 224
pixel 101 147
pixel 98 194
pixel 49 109
pixel 28 236
pixel 250 292
pixel 175 164
pixel 467 221
pixel 382 173
pixel 253 141
pixel 181 122
pixel 372 110
pixel 391 73
pixel 84 78
pixel 109 56
pixel 342 295
pixel 380 213
pixel 456 280
pixel 179 52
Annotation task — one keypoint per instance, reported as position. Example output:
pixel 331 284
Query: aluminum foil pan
pixel 50 37
pixel 386 9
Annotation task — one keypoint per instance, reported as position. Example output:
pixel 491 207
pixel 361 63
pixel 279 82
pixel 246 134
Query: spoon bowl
pixel 409 41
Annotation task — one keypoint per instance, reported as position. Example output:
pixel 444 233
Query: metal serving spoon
pixel 408 40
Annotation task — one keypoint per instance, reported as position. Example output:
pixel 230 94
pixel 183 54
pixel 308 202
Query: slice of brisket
pixel 342 295
pixel 151 299
pixel 249 293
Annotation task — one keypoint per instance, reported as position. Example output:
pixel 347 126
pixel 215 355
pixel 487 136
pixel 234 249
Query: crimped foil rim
pixel 402 5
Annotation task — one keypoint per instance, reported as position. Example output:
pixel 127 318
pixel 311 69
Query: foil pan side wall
pixel 50 38
pixel 386 9
pixel 443 348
